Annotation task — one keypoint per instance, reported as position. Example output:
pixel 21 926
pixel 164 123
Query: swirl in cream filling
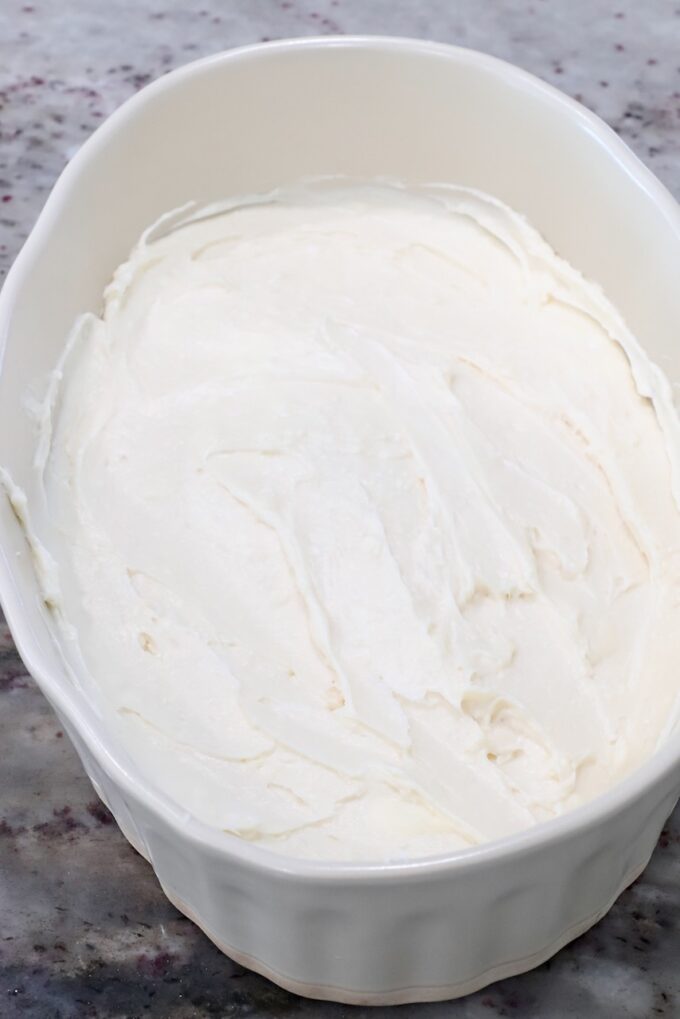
pixel 362 509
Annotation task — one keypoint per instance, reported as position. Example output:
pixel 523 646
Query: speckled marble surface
pixel 84 928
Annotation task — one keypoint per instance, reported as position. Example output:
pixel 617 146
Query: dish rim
pixel 71 703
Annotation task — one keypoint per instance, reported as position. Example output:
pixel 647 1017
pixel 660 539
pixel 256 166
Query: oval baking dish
pixel 246 121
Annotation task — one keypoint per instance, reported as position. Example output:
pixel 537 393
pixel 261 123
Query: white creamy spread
pixel 360 502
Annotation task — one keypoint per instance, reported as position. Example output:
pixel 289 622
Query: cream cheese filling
pixel 358 508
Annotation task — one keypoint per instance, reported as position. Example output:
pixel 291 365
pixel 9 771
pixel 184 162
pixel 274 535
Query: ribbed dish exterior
pixel 433 936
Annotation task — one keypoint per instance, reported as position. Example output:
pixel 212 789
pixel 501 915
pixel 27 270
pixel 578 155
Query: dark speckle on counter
pixel 85 931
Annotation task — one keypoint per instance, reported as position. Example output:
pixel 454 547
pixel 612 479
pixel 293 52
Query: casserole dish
pixel 247 121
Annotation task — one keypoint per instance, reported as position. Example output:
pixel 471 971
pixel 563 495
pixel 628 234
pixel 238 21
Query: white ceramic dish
pixel 249 120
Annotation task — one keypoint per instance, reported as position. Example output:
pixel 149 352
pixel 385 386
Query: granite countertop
pixel 85 930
